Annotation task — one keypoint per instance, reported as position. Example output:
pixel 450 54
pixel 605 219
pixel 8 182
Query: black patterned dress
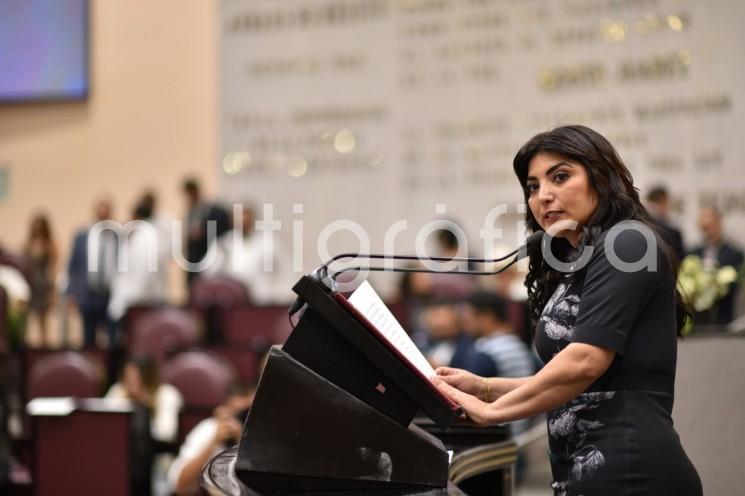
pixel 617 437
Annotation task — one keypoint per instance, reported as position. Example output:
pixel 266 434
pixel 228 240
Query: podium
pixel 82 446
pixel 334 408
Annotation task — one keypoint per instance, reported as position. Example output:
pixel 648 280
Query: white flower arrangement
pixel 702 287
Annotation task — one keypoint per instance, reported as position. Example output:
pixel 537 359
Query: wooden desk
pixel 81 447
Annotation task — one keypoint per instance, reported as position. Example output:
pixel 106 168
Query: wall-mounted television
pixel 43 50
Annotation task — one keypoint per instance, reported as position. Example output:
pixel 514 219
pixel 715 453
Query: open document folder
pixel 369 304
pixel 377 363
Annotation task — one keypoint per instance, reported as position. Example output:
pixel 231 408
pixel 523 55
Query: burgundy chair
pixel 217 291
pixel 247 332
pixel 65 373
pixel 211 294
pixel 517 312
pixel 400 310
pixel 255 327
pixel 452 286
pixel 244 360
pixel 133 316
pixel 30 357
pixel 202 379
pixel 36 364
pixel 162 333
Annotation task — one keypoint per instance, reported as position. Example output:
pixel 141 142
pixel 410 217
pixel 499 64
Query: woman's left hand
pixel 477 412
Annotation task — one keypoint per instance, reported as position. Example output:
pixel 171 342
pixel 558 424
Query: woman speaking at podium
pixel 602 294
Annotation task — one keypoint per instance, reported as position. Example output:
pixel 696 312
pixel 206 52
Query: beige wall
pixel 151 119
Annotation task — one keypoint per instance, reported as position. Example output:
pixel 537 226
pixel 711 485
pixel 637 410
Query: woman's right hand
pixel 463 380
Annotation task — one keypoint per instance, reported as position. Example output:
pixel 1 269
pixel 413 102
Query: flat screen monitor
pixel 43 50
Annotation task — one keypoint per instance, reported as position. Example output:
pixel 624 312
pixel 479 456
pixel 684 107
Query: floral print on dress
pixel 586 462
pixel 560 488
pixel 560 313
pixel 566 423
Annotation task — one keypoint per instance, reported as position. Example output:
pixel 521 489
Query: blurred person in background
pixel 205 222
pixel 422 286
pixel 716 252
pixel 162 225
pixel 140 383
pixel 242 253
pixel 416 289
pixel 510 283
pixel 485 319
pixel 87 290
pixel 144 278
pixel 195 237
pixel 659 204
pixel 510 286
pixel 443 285
pixel 208 438
pixel 449 345
pixel 155 418
pixel 42 254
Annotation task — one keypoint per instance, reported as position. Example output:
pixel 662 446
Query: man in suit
pixel 198 216
pixel 658 204
pixel 89 290
pixel 715 252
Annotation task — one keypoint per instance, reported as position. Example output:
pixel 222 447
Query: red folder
pixel 380 337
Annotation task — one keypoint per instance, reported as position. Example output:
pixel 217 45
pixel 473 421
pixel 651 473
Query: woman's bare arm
pixel 567 375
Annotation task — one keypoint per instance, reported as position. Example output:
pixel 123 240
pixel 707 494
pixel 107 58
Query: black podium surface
pixel 305 433
pixel 333 413
pixel 219 478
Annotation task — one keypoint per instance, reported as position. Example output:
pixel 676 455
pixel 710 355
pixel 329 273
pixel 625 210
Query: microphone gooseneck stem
pixel 377 256
pixel 321 274
pixel 430 271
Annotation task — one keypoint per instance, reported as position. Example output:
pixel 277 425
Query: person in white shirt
pixel 208 438
pixel 163 225
pixel 250 257
pixel 144 278
pixel 140 383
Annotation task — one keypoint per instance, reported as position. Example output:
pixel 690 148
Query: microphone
pixel 520 253
pixel 321 275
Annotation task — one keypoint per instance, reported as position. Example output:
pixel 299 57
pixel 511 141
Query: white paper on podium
pixel 367 301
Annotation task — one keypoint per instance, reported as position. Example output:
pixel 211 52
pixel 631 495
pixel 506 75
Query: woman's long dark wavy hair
pixel 617 198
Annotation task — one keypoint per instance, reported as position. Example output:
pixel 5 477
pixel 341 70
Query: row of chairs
pixel 160 330
pixel 245 333
pixel 200 348
pixel 203 379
